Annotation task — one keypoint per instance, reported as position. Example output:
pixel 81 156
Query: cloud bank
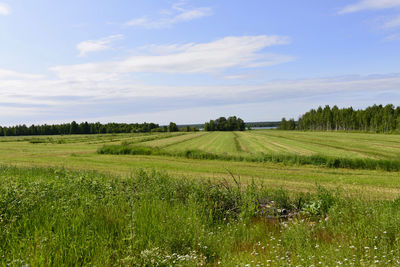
pixel 219 55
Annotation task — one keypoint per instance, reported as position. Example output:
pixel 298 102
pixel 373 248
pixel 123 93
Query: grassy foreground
pixel 59 217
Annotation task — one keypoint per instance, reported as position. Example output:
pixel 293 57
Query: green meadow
pixel 224 152
pixel 260 197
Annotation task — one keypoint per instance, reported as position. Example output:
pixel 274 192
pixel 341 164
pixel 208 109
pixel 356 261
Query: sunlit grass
pixel 78 152
pixel 59 217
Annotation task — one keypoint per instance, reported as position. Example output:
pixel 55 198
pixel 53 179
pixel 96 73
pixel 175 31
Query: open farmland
pixel 79 152
pixel 167 207
pixel 301 143
pixel 334 144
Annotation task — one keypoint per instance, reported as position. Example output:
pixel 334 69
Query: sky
pixel 191 61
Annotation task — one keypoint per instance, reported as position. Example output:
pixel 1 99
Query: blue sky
pixel 190 61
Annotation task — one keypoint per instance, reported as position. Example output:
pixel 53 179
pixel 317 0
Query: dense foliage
pixel 172 127
pixel 380 119
pixel 222 124
pixel 271 124
pixel 85 128
pixel 287 125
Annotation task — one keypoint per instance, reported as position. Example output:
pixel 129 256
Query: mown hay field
pixel 79 152
pixel 193 199
pixel 336 144
pixel 290 142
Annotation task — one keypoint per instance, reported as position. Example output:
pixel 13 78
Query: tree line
pixel 287 124
pixel 263 124
pixel 86 128
pixel 223 124
pixel 377 118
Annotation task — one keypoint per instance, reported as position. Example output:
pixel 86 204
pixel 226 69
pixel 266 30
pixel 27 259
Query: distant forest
pixel 87 128
pixel 223 124
pixel 379 119
pixel 271 124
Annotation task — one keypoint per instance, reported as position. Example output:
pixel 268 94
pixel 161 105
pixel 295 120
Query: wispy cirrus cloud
pixel 97 45
pixel 114 81
pixel 216 56
pixel 386 23
pixel 370 5
pixel 179 12
pixel 4 9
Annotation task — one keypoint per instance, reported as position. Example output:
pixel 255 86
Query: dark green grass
pixel 62 218
pixel 237 143
pixel 292 159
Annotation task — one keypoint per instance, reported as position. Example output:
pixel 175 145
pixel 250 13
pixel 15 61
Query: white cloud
pixel 24 90
pixel 166 49
pixel 97 45
pixel 238 76
pixel 24 95
pixel 9 74
pixel 177 14
pixel 4 9
pixel 210 57
pixel 387 23
pixel 370 5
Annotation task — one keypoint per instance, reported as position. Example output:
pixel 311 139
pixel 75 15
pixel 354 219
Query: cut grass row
pixel 291 159
pixel 78 155
pixel 337 145
pixel 332 144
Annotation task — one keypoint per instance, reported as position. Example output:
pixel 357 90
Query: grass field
pixel 79 153
pixel 64 203
pixel 291 142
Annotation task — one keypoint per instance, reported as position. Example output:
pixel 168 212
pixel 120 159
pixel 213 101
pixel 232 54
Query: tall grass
pixel 291 159
pixel 58 217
